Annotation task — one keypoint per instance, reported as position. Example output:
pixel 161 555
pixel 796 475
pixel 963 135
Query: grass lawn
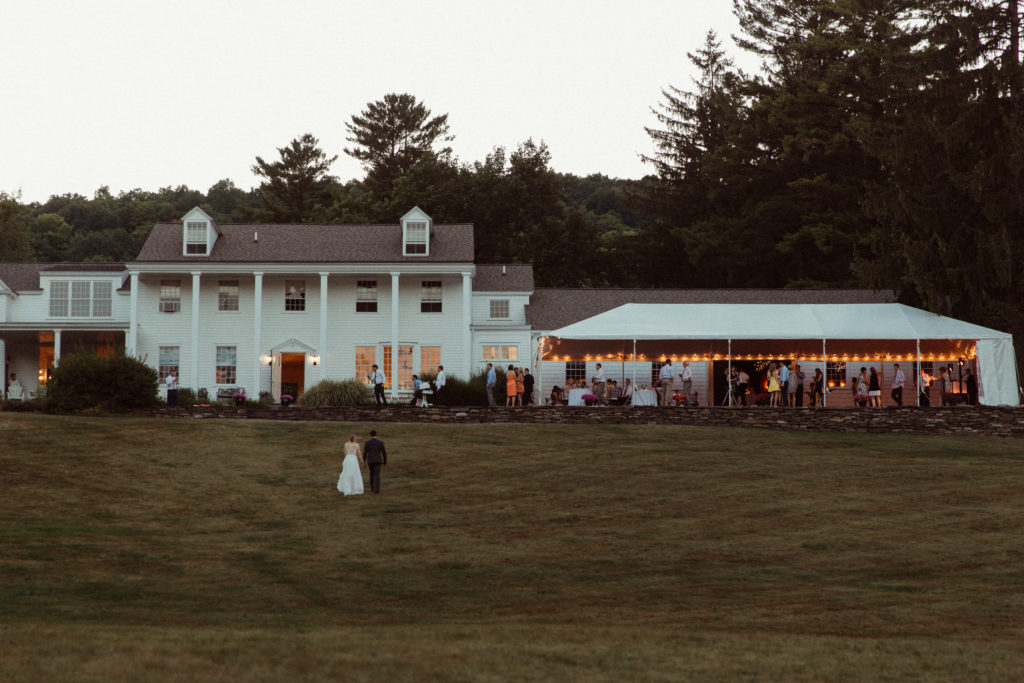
pixel 141 549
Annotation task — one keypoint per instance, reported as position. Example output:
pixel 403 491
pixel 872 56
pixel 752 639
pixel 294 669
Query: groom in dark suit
pixel 375 456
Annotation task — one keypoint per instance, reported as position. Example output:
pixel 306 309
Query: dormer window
pixel 199 233
pixel 416 237
pixel 195 238
pixel 416 233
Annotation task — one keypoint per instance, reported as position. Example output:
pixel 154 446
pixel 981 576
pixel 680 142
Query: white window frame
pixel 81 299
pixel 295 304
pixel 170 302
pixel 60 299
pixel 428 290
pixel 416 238
pixel 225 298
pixel 165 368
pixel 225 367
pixel 366 296
pixel 197 234
pixel 499 309
pixel 102 299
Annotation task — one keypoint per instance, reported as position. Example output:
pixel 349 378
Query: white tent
pixel 791 330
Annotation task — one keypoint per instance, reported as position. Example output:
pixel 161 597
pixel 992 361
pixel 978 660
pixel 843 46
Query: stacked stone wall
pixel 1002 421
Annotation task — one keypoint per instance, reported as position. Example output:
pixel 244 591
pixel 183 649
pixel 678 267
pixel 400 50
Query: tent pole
pixel 917 380
pixel 634 365
pixel 730 399
pixel 824 378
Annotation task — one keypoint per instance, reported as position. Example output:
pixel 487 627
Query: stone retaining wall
pixel 1003 421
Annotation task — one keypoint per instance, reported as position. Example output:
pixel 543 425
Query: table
pixel 645 397
pixel 576 396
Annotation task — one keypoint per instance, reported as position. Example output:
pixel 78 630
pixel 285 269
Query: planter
pixel 285 402
pixel 239 401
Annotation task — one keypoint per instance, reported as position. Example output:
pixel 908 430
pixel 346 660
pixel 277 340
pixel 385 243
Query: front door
pixel 293 374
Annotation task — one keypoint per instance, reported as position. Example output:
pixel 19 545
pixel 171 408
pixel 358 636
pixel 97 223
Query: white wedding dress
pixel 351 480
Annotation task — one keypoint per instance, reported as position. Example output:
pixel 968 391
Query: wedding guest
pixel 797 385
pixel 600 384
pixel 925 389
pixel 665 378
pixel 862 384
pixel 440 382
pixel 898 381
pixel 972 387
pixel 556 395
pixel 492 380
pixel 742 386
pixel 417 390
pixel 874 390
pixel 510 386
pixel 687 377
pixel 784 383
pixel 627 393
pixel 774 388
pixel 520 387
pixel 818 389
pixel 528 381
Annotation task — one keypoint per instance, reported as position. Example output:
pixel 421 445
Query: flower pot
pixel 239 401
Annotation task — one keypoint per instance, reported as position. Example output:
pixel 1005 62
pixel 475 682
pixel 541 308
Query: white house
pixel 277 308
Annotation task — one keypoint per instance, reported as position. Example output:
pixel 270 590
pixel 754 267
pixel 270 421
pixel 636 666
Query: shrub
pixel 116 383
pixel 186 397
pixel 329 393
pixel 471 392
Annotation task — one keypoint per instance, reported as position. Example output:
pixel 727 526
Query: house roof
pixel 294 243
pixel 550 309
pixel 496 277
pixel 22 277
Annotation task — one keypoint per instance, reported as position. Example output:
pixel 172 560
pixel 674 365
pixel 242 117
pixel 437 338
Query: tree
pixel 15 243
pixel 391 135
pixel 51 236
pixel 297 184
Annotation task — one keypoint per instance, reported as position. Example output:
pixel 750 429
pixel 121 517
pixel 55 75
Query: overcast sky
pixel 145 94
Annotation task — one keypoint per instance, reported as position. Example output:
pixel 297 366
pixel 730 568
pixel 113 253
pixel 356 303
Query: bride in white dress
pixel 351 480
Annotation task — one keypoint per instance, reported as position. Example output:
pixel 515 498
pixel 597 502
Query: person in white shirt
pixel 742 385
pixel 897 384
pixel 665 376
pixel 687 377
pixel 439 383
pixel 172 388
pixel 600 385
pixel 14 381
pixel 378 379
pixel 627 393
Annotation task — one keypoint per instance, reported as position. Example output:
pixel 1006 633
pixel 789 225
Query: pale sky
pixel 140 94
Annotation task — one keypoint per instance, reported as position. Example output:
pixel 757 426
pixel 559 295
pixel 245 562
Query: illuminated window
pixel 404 367
pixel 366 296
pixel 226 363
pixel 835 374
pixel 490 352
pixel 575 370
pixel 366 356
pixel 430 358
pixel 227 295
pixel 510 353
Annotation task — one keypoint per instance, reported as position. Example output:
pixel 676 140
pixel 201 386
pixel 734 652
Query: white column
pixel 540 372
pixel 194 370
pixel 56 348
pixel 131 341
pixel 323 326
pixel 729 398
pixel 394 336
pixel 257 337
pixel 467 317
pixel 3 367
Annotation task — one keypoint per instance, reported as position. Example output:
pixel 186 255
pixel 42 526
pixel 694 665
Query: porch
pixel 32 354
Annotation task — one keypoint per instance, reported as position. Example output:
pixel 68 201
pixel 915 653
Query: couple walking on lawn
pixel 372 454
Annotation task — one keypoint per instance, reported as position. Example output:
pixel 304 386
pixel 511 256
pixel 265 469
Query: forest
pixel 879 145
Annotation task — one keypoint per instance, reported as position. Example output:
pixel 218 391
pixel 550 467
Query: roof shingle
pixel 294 243
pixel 496 277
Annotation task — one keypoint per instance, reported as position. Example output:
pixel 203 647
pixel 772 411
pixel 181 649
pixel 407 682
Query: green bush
pixel 116 383
pixel 186 397
pixel 330 393
pixel 471 392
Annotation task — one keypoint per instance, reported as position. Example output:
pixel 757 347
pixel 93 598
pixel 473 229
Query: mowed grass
pixel 140 549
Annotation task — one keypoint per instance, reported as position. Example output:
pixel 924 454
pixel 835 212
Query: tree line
pixel 879 145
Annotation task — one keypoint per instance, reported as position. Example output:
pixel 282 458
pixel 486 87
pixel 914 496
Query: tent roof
pixel 772 321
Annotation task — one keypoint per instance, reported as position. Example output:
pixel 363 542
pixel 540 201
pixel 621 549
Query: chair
pixel 15 393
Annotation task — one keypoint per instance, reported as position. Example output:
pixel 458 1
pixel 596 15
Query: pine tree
pixel 298 185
